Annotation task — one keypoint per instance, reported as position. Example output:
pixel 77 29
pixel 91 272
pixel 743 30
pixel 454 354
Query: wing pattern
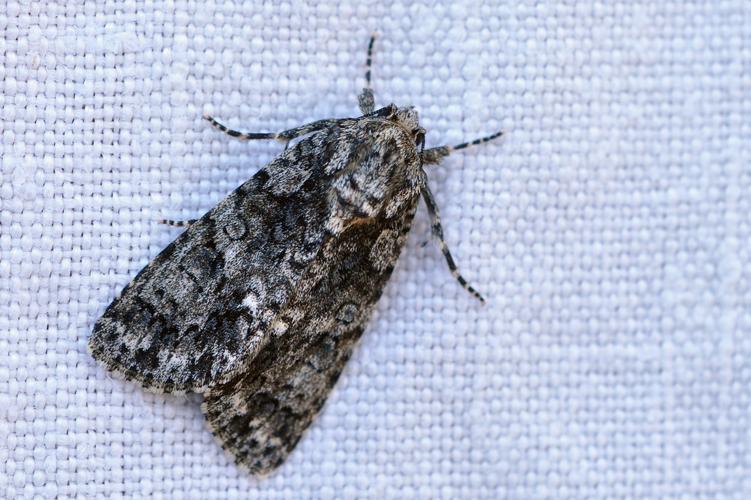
pixel 206 301
pixel 258 304
pixel 260 416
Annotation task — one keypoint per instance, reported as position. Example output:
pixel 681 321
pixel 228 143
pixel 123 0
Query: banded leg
pixel 284 136
pixel 433 156
pixel 366 100
pixel 177 223
pixel 435 220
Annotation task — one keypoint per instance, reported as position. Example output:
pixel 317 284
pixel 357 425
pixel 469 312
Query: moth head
pixel 407 118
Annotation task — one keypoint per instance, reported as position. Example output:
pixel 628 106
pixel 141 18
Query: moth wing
pixel 204 304
pixel 260 416
pixel 259 421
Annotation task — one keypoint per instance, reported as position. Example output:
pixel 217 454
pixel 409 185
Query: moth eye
pixel 419 134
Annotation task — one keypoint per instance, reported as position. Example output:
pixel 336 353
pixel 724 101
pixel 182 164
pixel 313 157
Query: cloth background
pixel 609 231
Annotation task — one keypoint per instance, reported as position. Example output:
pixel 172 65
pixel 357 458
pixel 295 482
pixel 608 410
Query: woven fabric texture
pixel 609 231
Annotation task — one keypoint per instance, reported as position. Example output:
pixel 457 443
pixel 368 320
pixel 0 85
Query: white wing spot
pixel 278 327
pixel 251 302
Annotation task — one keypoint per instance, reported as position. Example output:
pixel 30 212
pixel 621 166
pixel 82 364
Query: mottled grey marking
pixel 259 303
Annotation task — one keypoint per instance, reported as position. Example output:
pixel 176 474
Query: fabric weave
pixel 609 231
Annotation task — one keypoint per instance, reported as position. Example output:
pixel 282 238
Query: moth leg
pixel 433 156
pixel 177 223
pixel 284 136
pixel 366 100
pixel 435 220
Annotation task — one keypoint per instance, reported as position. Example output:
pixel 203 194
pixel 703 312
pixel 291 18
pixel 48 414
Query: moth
pixel 258 304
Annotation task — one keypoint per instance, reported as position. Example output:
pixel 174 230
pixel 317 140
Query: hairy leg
pixel 434 156
pixel 177 223
pixel 366 99
pixel 435 220
pixel 284 136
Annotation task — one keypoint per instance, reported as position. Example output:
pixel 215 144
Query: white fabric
pixel 609 231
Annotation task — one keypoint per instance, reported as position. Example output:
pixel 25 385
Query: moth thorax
pixel 360 193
